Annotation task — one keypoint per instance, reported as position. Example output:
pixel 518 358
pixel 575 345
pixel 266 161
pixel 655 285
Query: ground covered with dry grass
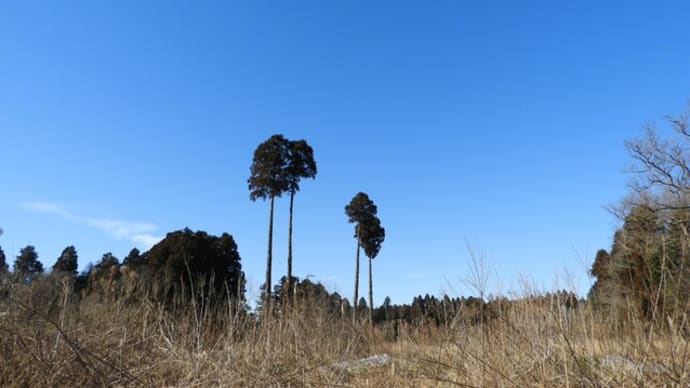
pixel 97 341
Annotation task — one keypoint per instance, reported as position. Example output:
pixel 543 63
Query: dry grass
pixel 103 342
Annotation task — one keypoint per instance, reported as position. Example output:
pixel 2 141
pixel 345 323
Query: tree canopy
pixel 67 262
pixel 371 237
pixel 300 164
pixel 360 209
pixel 267 173
pixel 26 266
pixel 196 259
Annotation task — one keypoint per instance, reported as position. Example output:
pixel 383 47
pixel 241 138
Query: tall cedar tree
pixel 26 265
pixel 67 262
pixel 267 180
pixel 301 164
pixel 371 237
pixel 359 211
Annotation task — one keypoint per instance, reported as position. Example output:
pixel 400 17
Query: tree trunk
pixel 354 300
pixel 371 295
pixel 289 258
pixel 269 259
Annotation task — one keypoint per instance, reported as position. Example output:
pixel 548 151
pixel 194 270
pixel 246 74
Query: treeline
pixel 422 310
pixel 196 264
pixel 184 264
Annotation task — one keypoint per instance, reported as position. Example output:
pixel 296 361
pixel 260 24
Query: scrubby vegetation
pixel 52 337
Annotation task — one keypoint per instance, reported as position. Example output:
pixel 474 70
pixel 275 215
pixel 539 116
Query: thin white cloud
pixel 120 229
pixel 145 240
pixel 47 208
pixel 414 275
pixel 139 233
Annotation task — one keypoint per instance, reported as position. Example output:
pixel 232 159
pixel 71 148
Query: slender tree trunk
pixel 371 295
pixel 269 259
pixel 289 258
pixel 354 300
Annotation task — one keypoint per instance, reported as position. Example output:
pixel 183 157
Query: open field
pixel 101 342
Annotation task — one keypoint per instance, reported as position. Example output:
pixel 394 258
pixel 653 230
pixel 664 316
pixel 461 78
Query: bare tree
pixel 662 167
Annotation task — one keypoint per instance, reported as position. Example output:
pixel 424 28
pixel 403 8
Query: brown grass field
pixel 105 342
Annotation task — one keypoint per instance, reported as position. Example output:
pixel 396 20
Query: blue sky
pixel 498 126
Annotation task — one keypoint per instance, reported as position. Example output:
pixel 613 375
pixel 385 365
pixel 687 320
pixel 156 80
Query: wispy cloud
pixel 139 233
pixel 145 240
pixel 414 275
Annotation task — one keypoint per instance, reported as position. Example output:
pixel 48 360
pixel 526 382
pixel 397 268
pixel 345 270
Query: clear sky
pixel 493 125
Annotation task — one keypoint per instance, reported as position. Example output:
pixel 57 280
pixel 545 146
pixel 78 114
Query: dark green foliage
pixel 267 173
pixel 196 262
pixel 600 271
pixel 3 263
pixel 104 276
pixel 368 231
pixel 301 164
pixel 81 282
pixel 134 259
pixel 309 296
pixel 601 263
pixel 372 235
pixel 67 262
pixel 26 266
pixel 359 210
pixel 282 290
pixel 648 266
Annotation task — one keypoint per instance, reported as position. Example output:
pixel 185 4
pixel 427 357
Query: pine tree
pixel 26 266
pixel 67 262
pixel 267 180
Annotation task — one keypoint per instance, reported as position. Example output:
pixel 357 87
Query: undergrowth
pixel 49 337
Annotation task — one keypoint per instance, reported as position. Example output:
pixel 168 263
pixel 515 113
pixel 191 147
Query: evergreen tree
pixel 134 259
pixel 362 212
pixel 268 180
pixel 67 262
pixel 26 266
pixel 197 262
pixel 300 165
pixel 105 274
pixel 3 263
